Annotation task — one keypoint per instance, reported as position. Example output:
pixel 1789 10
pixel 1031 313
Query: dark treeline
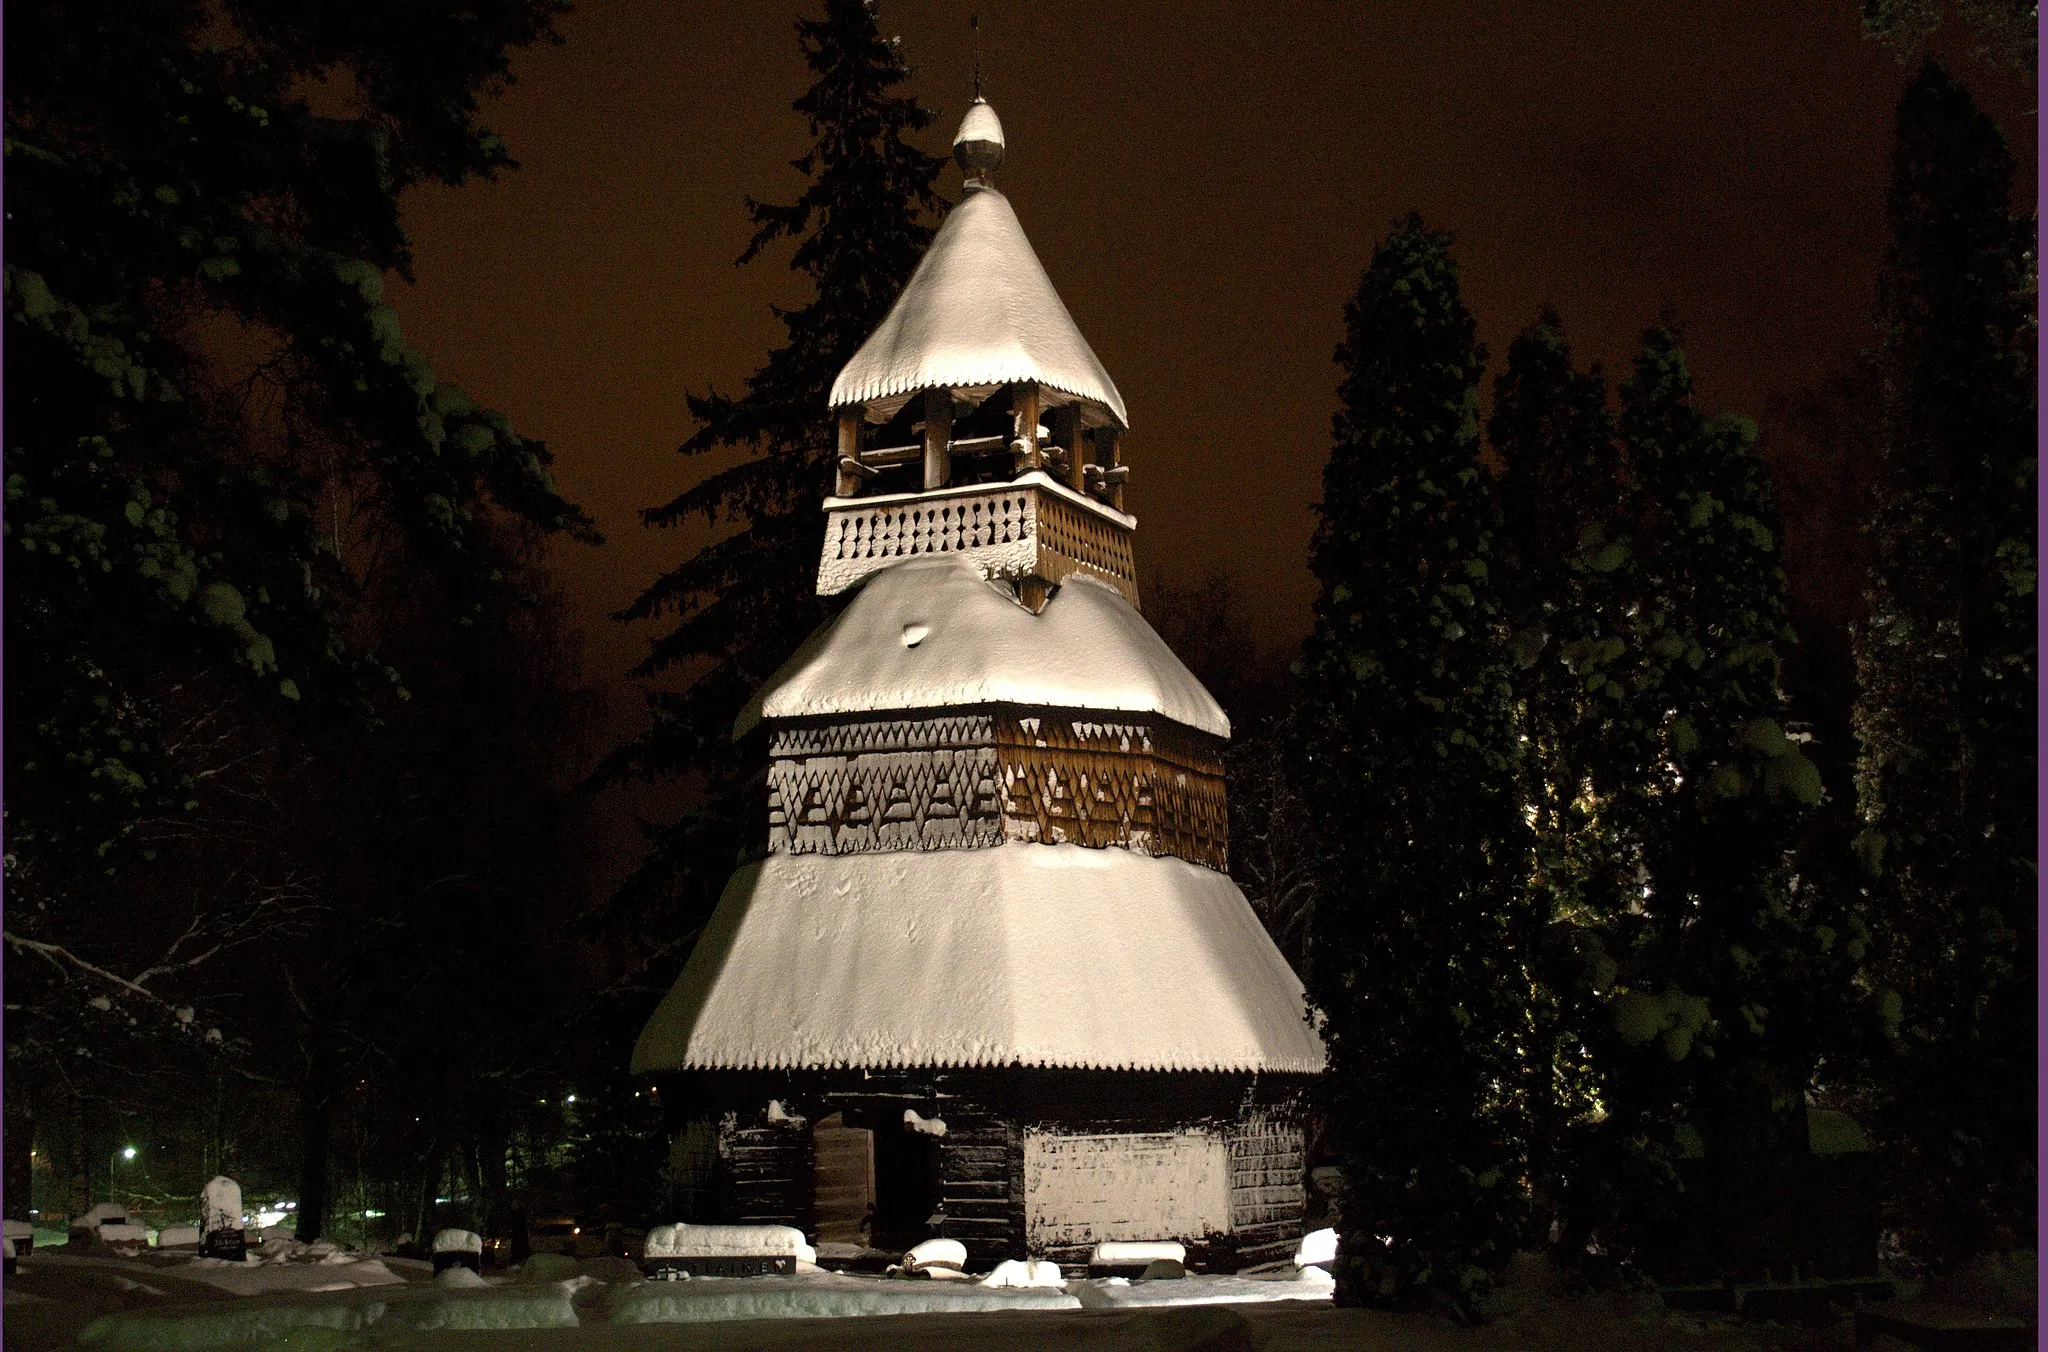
pixel 293 719
pixel 1582 889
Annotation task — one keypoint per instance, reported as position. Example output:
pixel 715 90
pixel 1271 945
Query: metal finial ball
pixel 978 145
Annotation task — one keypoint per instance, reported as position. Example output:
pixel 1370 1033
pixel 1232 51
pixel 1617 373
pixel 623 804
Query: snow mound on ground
pixel 1026 1274
pixel 256 1276
pixel 811 1296
pixel 1317 1246
pixel 1136 1253
pixel 941 1253
pixel 262 1323
pixel 1115 1293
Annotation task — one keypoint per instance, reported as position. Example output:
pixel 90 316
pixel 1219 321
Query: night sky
pixel 1204 183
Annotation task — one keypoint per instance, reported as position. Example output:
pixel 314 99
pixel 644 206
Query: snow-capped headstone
pixel 22 1234
pixel 725 1250
pixel 220 1220
pixel 458 1248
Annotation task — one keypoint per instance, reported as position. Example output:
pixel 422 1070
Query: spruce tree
pixel 1724 978
pixel 1946 668
pixel 741 606
pixel 1559 545
pixel 1407 760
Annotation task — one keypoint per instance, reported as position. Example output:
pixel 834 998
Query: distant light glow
pixel 128 1152
pixel 572 1098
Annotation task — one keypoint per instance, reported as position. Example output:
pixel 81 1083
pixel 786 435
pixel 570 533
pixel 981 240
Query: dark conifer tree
pixel 1946 668
pixel 225 466
pixel 1407 761
pixel 742 605
pixel 1559 550
pixel 1724 978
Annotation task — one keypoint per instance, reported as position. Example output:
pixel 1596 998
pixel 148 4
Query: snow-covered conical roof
pixel 1031 955
pixel 932 633
pixel 978 312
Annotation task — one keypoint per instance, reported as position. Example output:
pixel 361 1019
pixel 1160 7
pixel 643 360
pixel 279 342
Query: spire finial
pixel 974 23
pixel 978 145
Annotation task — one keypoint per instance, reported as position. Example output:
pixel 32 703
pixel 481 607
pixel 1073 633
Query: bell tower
pixel 976 420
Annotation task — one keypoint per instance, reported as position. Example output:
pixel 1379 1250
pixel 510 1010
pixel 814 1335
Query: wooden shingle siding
pixel 1267 1187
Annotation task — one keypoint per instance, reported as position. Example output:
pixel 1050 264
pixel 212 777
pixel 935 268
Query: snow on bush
pixel 729 1241
pixel 1026 1273
pixel 1317 1246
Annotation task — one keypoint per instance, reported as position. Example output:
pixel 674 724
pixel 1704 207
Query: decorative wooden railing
pixel 1030 526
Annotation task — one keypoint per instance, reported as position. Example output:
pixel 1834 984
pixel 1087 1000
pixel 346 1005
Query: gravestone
pixel 220 1221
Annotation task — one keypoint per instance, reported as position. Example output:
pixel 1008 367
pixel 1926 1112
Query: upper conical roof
pixel 979 311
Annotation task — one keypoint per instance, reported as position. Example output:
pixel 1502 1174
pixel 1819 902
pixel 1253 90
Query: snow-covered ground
pixel 156 1301
pixel 318 1295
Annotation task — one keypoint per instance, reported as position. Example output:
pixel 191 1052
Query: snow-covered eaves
pixel 932 633
pixel 978 312
pixel 1017 955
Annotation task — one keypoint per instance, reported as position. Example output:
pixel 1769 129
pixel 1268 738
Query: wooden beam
pixel 1066 433
pixel 1026 405
pixel 849 453
pixel 938 438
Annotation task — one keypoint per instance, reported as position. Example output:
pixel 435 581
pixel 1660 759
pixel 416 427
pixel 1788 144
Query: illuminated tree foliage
pixel 1561 549
pixel 740 606
pixel 1408 766
pixel 1946 669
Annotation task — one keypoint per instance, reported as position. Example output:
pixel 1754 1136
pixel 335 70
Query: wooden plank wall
pixel 981 1184
pixel 766 1170
pixel 1267 1188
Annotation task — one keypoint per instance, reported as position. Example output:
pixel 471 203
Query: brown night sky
pixel 1203 182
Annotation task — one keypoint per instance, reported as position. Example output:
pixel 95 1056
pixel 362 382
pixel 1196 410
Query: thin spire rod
pixel 974 23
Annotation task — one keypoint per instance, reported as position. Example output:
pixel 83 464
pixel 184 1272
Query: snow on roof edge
pixel 1088 649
